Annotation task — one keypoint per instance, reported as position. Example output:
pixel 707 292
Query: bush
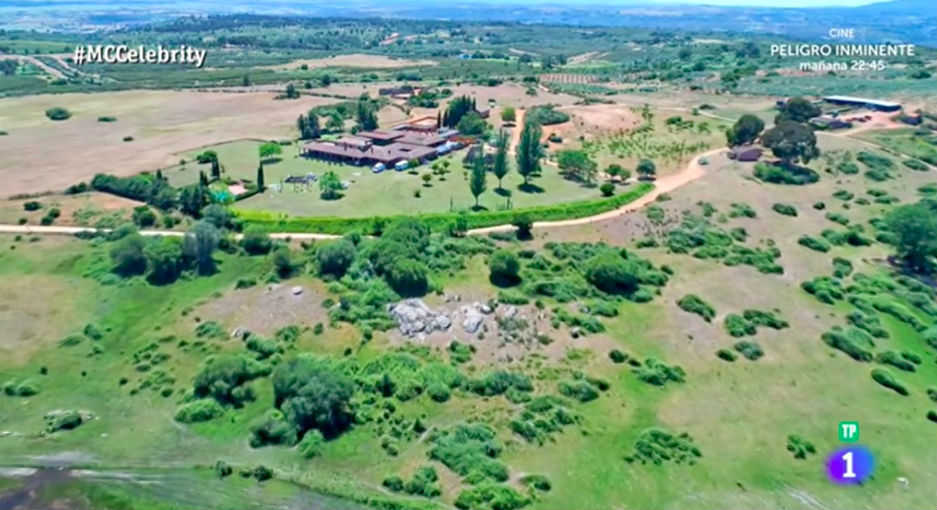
pixel 750 350
pixel 776 174
pixel 127 256
pixel 63 420
pixel 32 205
pixel 852 341
pixel 539 482
pixel 617 356
pixel 504 268
pixel 915 164
pixel 524 224
pixel 814 243
pixel 785 209
pixel 198 411
pixel 143 216
pixel 222 469
pixel 612 274
pixel 408 277
pixel 658 445
pixel 335 258
pixel 799 446
pixel 694 304
pixel 224 377
pixel 256 241
pixel 393 483
pixel 896 360
pixel 657 373
pixel 725 355
pixel 470 450
pixel 272 429
pixel 58 113
pixel 313 393
pixel 887 380
pixel 580 390
pixel 737 326
pixel 607 189
pixel 490 496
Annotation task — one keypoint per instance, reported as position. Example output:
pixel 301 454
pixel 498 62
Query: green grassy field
pixel 738 414
pixel 369 194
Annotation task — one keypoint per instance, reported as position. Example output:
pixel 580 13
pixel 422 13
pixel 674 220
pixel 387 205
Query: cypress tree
pixel 260 177
pixel 202 178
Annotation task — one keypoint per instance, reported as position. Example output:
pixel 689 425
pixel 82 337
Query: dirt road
pixel 516 132
pixel 694 170
pixel 32 229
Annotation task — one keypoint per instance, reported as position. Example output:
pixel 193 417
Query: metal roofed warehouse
pixel 873 104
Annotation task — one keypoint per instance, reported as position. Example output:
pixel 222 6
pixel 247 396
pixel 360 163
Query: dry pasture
pixel 39 154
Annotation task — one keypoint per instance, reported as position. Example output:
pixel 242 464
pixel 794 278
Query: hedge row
pixel 278 222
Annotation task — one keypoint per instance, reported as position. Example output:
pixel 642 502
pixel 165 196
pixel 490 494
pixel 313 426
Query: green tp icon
pixel 849 431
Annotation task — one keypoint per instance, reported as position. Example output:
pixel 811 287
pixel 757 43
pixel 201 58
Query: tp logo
pixel 848 431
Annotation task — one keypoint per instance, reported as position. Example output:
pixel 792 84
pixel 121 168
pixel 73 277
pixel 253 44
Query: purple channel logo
pixel 850 465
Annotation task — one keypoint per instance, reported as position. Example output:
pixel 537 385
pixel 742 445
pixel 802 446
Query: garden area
pixel 415 191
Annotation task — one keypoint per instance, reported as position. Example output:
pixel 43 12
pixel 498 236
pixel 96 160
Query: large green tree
pixel 791 142
pixel 797 109
pixel 915 229
pixel 268 150
pixel 365 115
pixel 313 394
pixel 330 186
pixel 164 258
pixel 529 150
pixel 500 164
pixel 478 181
pixel 745 131
pixel 127 257
pixel 576 164
pixel 199 245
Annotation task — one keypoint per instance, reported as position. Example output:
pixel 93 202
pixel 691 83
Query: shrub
pixel 127 256
pixel 272 429
pixel 750 350
pixel 58 113
pixel 503 268
pixel 222 469
pixel 737 326
pixel 887 380
pixel 777 174
pixel 814 243
pixel 607 189
pixel 198 411
pixel 766 319
pixel 725 355
pixel 408 277
pixel 143 216
pixel 490 496
pixel 738 210
pixel 470 450
pixel 694 304
pixel 335 258
pixel 313 393
pixel 617 356
pixel 423 483
pixel 658 445
pixel 63 420
pixel 896 360
pixel 393 483
pixel 613 274
pixel 539 482
pixel 799 447
pixel 580 390
pixel 224 377
pixel 524 224
pixel 32 205
pixel 656 372
pixel 785 209
pixel 256 241
pixel 852 341
pixel 824 288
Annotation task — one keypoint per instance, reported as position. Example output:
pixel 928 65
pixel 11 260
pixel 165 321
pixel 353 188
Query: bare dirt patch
pixel 354 60
pixel 263 309
pixel 40 154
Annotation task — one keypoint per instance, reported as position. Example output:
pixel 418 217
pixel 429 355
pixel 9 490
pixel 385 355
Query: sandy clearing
pixel 353 60
pixel 40 155
pixel 605 117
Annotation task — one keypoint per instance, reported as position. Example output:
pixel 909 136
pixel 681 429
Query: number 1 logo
pixel 850 465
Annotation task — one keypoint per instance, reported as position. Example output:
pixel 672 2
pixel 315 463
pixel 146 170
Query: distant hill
pixel 898 20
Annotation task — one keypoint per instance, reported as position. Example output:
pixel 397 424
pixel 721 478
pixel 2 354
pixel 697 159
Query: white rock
pixel 297 290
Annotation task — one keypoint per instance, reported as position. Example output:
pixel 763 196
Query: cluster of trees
pixel 457 108
pixel 791 139
pixel 914 230
pixel 478 180
pixel 308 126
pixel 156 191
pixel 576 164
pixel 529 150
pixel 163 259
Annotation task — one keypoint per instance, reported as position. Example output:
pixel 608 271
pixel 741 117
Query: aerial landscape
pixel 476 256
